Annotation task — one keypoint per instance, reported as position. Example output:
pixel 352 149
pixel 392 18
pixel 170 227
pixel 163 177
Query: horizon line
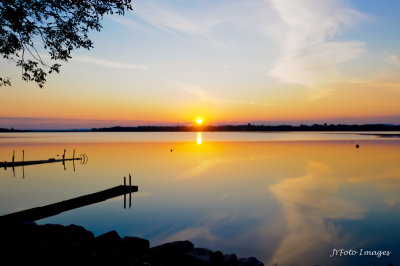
pixel 48 123
pixel 190 128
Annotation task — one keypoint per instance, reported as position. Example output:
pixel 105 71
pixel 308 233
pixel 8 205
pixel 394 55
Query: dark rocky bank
pixel 53 244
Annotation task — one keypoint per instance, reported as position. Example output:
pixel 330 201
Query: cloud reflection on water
pixel 207 164
pixel 308 201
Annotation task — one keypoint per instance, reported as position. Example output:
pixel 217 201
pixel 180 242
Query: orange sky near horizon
pixel 357 101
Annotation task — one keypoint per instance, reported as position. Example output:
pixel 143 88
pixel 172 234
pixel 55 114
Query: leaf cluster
pixel 61 26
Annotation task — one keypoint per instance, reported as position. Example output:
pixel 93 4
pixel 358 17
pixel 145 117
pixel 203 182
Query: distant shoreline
pixel 229 128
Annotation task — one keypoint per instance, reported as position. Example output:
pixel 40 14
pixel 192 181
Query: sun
pixel 199 121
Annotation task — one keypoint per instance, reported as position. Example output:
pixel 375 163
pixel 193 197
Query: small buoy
pixel 357 146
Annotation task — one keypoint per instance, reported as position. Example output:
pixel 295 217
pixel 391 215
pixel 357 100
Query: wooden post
pixel 23 155
pixel 73 155
pixel 130 194
pixel 124 181
pixel 13 156
pixel 64 160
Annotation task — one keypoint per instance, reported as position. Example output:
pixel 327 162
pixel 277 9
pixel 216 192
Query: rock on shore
pixel 53 244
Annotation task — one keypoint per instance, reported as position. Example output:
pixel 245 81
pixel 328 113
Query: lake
pixel 287 198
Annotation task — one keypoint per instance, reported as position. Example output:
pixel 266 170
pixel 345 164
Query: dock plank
pixel 23 163
pixel 38 213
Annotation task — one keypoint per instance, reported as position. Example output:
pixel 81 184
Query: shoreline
pixel 227 128
pixel 55 244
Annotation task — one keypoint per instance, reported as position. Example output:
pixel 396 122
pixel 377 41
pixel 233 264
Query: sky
pixel 226 61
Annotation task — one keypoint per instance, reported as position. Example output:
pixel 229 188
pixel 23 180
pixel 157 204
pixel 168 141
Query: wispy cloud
pixel 305 30
pixel 196 91
pixel 100 62
pixel 165 17
pixel 125 21
pixel 204 96
pixel 205 19
pixel 107 63
pixel 318 93
pixel 241 102
pixel 310 52
pixel 393 59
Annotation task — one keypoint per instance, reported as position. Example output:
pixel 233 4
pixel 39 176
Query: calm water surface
pixel 286 198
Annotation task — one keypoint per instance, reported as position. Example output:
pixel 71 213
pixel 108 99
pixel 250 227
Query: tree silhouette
pixel 54 26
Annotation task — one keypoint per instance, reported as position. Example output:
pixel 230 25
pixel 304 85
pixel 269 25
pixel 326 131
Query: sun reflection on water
pixel 198 138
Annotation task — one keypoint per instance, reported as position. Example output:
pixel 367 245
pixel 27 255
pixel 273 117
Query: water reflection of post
pixel 73 160
pixel 13 162
pixel 130 194
pixel 23 165
pixel 124 193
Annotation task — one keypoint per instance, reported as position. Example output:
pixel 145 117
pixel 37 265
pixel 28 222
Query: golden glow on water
pixel 198 138
pixel 283 200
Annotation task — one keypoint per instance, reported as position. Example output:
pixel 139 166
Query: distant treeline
pixel 11 130
pixel 250 127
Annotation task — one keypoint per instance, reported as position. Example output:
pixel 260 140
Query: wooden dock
pixel 83 158
pixel 24 163
pixel 56 208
